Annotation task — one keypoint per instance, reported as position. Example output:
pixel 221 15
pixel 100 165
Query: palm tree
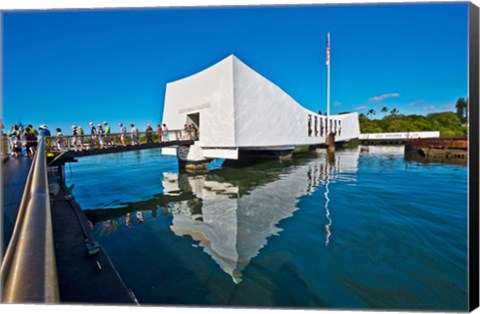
pixel 384 110
pixel 394 111
pixel 461 108
pixel 371 112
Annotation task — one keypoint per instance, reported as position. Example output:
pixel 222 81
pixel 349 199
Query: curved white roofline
pixel 231 56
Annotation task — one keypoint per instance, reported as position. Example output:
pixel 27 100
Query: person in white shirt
pixel 166 137
pixel 134 134
pixel 123 132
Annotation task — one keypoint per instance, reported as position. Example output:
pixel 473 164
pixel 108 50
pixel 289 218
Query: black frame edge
pixel 473 223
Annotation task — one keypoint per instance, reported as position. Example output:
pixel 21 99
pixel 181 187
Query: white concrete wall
pixel 267 116
pixel 264 114
pixel 350 127
pixel 239 108
pixel 209 93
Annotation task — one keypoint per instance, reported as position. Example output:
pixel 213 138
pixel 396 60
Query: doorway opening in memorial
pixel 193 123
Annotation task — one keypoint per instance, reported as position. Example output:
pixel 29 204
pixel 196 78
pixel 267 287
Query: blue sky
pixel 67 68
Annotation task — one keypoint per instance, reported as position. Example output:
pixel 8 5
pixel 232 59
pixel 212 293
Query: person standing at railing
pixel 59 140
pixel 74 140
pixel 195 133
pixel 166 137
pixel 31 139
pixel 81 136
pixel 32 130
pixel 12 134
pixel 106 129
pixel 93 133
pixel 191 131
pixel 187 133
pixel 134 134
pixel 44 131
pixel 149 134
pixel 123 133
pixel 160 133
pixel 17 146
pixel 100 135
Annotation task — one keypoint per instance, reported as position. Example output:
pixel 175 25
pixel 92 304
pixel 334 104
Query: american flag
pixel 327 62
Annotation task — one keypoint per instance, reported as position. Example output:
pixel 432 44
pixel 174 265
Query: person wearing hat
pixel 123 133
pixel 93 130
pixel 74 139
pixel 93 133
pixel 44 131
pixel 12 134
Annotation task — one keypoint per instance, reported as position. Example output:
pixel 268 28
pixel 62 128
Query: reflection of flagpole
pixel 327 62
pixel 327 211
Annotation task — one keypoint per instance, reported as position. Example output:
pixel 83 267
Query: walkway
pixel 69 156
pixel 14 175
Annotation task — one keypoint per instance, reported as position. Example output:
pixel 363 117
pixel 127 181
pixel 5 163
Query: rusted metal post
pixel 331 142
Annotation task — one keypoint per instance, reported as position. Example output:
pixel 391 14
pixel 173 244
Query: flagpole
pixel 328 75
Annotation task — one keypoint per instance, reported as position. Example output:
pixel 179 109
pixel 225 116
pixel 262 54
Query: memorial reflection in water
pixel 232 221
pixel 232 212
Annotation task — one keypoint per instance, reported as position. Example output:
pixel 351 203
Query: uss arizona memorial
pixel 238 111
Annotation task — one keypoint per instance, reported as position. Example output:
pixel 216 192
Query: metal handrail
pixel 87 141
pixel 4 146
pixel 29 271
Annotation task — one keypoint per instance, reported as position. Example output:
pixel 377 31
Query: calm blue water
pixel 365 230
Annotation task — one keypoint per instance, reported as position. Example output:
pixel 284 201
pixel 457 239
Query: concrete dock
pixel 82 277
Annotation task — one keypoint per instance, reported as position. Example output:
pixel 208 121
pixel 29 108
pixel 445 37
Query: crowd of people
pixel 23 141
pixel 101 136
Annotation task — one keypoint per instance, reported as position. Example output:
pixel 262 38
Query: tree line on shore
pixel 448 123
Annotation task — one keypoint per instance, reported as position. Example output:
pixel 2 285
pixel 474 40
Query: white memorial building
pixel 236 110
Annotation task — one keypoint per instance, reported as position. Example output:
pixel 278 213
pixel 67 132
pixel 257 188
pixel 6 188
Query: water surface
pixel 360 230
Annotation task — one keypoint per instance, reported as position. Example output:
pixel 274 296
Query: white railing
pixel 399 135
